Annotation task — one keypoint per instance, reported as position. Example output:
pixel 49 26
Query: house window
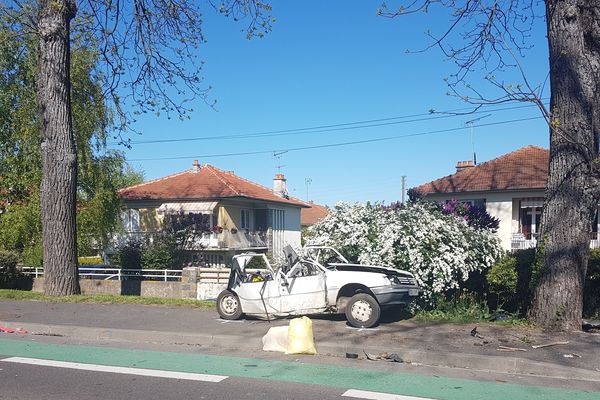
pixel 247 219
pixel 131 220
pixel 530 216
pixel 530 222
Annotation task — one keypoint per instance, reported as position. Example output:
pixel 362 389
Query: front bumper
pixel 395 294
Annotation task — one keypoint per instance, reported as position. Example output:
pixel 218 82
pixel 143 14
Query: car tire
pixel 363 311
pixel 228 305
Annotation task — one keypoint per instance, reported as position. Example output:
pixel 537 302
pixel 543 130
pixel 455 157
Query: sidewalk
pixel 446 345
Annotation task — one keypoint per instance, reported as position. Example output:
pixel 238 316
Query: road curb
pixel 501 364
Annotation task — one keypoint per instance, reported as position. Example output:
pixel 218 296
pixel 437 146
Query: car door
pixel 303 291
pixel 260 294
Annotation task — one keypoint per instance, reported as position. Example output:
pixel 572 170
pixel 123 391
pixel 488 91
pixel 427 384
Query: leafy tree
pixel 100 174
pixel 495 35
pixel 145 47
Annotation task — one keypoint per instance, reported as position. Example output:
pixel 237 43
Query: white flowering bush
pixel 440 250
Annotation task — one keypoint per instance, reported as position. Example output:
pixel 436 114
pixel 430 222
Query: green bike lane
pixel 401 383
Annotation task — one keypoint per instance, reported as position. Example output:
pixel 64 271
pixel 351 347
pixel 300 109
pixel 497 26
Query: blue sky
pixel 327 63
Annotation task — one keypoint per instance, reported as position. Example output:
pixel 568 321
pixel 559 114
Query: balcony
pixel 237 240
pixel 225 240
pixel 522 241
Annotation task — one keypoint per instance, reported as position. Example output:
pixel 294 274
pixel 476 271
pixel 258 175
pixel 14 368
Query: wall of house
pixel 292 226
pixel 502 205
pixel 150 220
pixel 229 216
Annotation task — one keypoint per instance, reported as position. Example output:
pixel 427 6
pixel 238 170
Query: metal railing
pixel 520 242
pixel 118 274
pixel 227 239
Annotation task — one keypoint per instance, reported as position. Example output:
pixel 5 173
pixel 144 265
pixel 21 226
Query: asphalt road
pixel 436 344
pixel 81 371
pixel 29 382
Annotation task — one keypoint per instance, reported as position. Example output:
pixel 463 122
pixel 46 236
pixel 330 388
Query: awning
pixel 201 207
pixel 533 202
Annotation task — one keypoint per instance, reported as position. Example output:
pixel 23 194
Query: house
pixel 224 213
pixel 312 215
pixel 510 187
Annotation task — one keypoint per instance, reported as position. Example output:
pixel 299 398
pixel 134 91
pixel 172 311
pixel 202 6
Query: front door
pixel 304 289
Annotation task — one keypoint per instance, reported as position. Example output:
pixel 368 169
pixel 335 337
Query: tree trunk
pixel 572 192
pixel 59 159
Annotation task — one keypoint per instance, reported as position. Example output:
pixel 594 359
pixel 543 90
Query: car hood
pixel 371 268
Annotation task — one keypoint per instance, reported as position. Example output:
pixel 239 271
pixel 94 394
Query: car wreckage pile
pixel 321 281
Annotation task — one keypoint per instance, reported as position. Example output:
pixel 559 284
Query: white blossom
pixel 440 250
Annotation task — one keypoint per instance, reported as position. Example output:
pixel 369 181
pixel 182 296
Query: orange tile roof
pixel 312 215
pixel 207 183
pixel 525 168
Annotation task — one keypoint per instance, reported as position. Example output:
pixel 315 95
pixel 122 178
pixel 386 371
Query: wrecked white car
pixel 306 286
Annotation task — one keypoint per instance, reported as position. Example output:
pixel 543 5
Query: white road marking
pixel 228 321
pixel 118 370
pixel 361 329
pixel 363 394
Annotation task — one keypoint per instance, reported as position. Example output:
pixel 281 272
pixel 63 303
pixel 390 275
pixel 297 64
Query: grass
pixel 467 309
pixel 8 294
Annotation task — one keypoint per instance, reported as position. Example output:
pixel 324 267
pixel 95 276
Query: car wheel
pixel 362 311
pixel 228 305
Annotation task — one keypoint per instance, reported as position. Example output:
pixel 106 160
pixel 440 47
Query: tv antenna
pixel 307 182
pixel 278 155
pixel 470 124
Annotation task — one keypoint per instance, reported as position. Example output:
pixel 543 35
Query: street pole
pixel 403 188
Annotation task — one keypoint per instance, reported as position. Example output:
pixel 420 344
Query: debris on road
pixel 539 346
pixel 351 355
pixel 474 333
pixel 11 330
pixel 391 357
pixel 590 326
pixel 295 338
pixel 276 339
pixel 572 355
pixel 300 337
pixel 51 334
pixel 506 348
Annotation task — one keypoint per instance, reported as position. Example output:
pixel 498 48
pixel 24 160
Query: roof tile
pixel 525 168
pixel 207 183
pixel 312 215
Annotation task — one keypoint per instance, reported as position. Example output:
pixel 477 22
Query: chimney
pixel 462 165
pixel 195 166
pixel 279 186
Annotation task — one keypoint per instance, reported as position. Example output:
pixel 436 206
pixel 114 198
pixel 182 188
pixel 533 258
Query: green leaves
pixel 100 172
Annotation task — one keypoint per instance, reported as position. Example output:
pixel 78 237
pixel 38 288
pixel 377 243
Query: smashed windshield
pixel 325 255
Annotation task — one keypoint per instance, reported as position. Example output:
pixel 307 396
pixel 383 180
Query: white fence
pixel 165 275
pixel 206 275
pixel 519 242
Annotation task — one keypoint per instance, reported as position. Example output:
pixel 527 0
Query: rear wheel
pixel 228 305
pixel 363 311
